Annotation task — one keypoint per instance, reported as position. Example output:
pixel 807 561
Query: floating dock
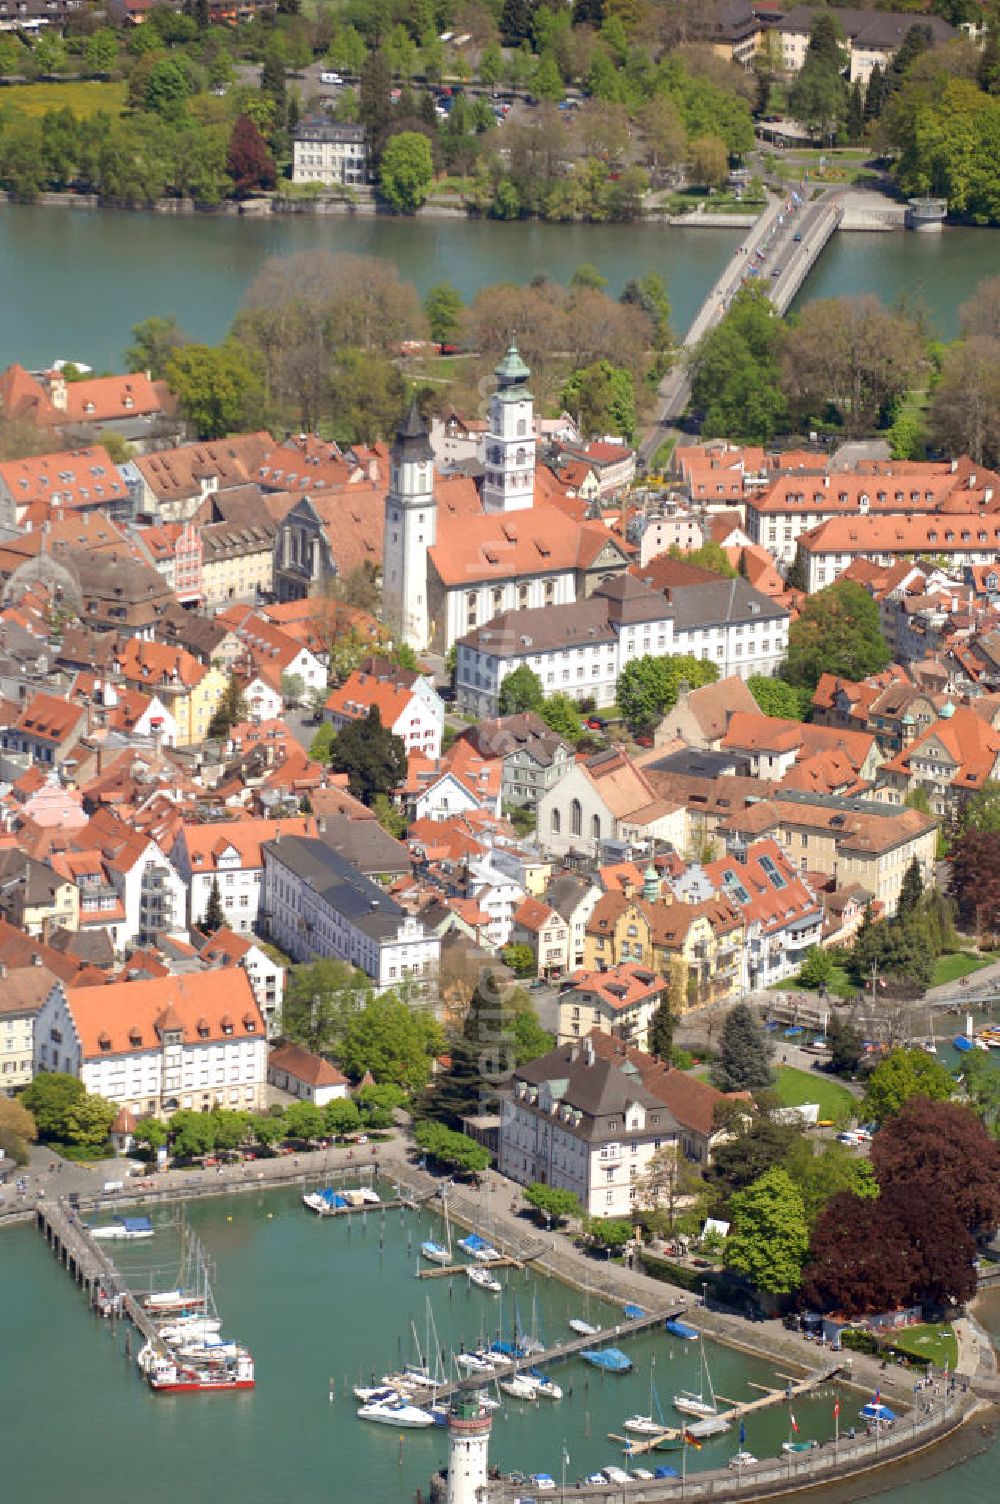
pixel 636 1446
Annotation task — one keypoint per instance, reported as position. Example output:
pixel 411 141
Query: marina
pixel 293 1287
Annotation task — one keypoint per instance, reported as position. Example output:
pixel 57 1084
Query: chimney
pixel 588 1050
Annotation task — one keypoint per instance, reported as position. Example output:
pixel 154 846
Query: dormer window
pixel 104 1040
pixel 135 1037
pixel 203 1028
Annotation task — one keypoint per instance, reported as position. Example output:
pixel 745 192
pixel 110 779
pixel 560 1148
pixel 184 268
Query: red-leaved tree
pixel 249 163
pixel 941 1146
pixel 851 1268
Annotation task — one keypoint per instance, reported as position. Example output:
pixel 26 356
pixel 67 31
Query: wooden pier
pixel 505 1368
pixel 444 1271
pixel 397 1204
pixel 87 1263
pixel 635 1446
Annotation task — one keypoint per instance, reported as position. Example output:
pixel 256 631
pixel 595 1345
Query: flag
pixel 877 1397
pixel 836 1410
pixel 792 1421
pixel 743 1433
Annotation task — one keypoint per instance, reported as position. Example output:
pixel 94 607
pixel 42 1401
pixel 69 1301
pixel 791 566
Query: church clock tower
pixel 410 529
pixel 509 482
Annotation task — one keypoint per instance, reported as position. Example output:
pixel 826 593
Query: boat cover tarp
pixel 611 1358
pixel 680 1329
pixel 634 1313
pixel 137 1224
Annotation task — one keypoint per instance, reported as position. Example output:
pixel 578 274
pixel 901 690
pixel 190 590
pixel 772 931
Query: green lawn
pixel 83 96
pixel 959 964
pixel 794 1088
pixel 840 984
pixel 936 1342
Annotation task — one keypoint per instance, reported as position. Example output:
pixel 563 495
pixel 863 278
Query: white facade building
pixel 228 852
pixel 410 529
pixel 330 152
pixel 195 1041
pixel 317 905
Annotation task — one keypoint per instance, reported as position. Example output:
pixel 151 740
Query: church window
pixel 595 825
pixel 556 822
pixel 575 817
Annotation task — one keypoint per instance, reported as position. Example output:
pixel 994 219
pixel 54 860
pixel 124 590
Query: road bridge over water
pixel 779 252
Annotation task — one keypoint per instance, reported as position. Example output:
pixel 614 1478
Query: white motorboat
pixel 477 1248
pixel 484 1280
pixel 437 1253
pixel 545 1388
pixel 583 1328
pixel 643 1474
pixel 519 1387
pixel 191 1329
pixel 616 1475
pixel 316 1202
pixel 475 1363
pixel 742 1459
pixel 171 1303
pixel 124 1230
pixel 399 1413
pixel 643 1425
pixel 366 1393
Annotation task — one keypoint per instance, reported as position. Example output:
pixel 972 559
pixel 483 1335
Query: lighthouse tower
pixel 468 1450
pixel 509 481
pixel 410 529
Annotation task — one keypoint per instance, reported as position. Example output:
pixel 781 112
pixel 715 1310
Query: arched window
pixel 595 827
pixel 575 818
pixel 556 822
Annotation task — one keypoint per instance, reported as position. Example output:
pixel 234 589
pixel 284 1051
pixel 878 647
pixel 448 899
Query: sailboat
pixel 439 1253
pixel 689 1403
pixel 484 1279
pixel 647 1425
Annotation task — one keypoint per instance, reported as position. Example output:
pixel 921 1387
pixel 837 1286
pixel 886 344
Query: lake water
pixel 73 282
pixel 321 1304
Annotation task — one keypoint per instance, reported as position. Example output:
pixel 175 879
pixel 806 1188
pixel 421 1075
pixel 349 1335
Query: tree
pixel 248 161
pixel 191 1133
pixel 230 711
pixel 218 388
pixel 980 1082
pixel 17 1130
pixel 901 1075
pixel 48 1098
pixel 670 1180
pixel 975 880
pixel 851 352
pixel 267 1130
pixel 371 755
pixel 101 50
pixel 169 85
pixel 744 1060
pixel 837 632
pixel 817 968
pixel 852 1268
pixel 154 340
pixel 649 686
pixel 769 1237
pixel 650 294
pixel 965 405
pixel 530 1039
pixel 911 891
pixel 452 1148
pixel 846 1046
pixel 483 1056
pixel 661 1031
pixel 602 397
pixel 552 1203
pixel 490 68
pixel 708 161
pixel 87 1121
pixel 407 171
pixel 941 1146
pixel 152 1133
pixel 443 306
pixel 215 914
pixel 229 1128
pixel 392 1040
pixel 321 746
pixel 822 1172
pixel 753 1145
pixel 378 1104
pixel 775 697
pixel 735 376
pixel 305 1121
pixel 520 958
pixel 373 94
pixel 818 97
pixel 321 998
pixel 341 1117
pixel 520 691
pixel 611 1233
pixel 560 714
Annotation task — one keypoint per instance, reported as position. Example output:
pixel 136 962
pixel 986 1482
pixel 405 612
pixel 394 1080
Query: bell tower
pixel 410 529
pixel 468 1450
pixel 509 483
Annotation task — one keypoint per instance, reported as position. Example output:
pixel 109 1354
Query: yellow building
pixel 697 946
pixel 237 562
pixel 22 993
pixel 190 690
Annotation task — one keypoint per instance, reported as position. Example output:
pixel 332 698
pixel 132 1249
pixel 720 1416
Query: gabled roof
pixel 125 1018
pixel 310 1069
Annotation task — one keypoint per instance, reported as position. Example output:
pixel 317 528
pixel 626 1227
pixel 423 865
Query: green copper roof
pixel 512 370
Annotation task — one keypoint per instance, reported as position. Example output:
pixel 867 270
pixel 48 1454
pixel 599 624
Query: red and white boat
pixel 165 1303
pixel 171 1375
